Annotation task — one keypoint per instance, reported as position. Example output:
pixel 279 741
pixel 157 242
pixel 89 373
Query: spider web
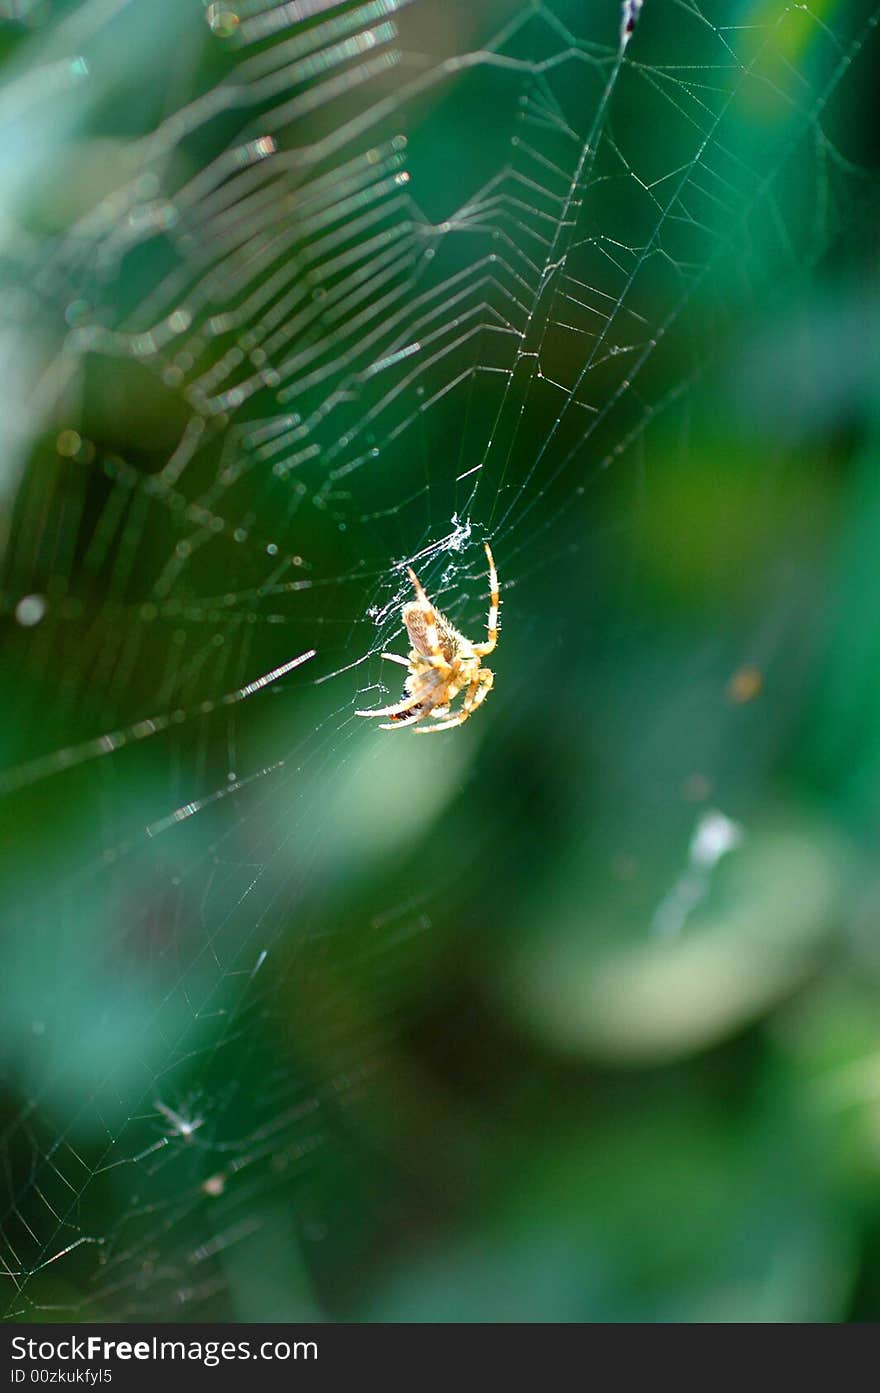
pixel 283 326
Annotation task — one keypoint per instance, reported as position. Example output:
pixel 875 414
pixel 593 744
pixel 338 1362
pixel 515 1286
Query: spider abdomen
pixel 416 626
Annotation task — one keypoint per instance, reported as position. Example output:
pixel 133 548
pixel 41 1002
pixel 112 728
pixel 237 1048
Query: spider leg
pixel 413 699
pixel 487 682
pixel 483 649
pixel 396 709
pixel 476 694
pixel 445 699
pixel 457 720
pixel 396 658
pixel 404 721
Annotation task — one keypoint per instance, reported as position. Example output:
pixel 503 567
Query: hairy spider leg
pixel 481 686
pixel 483 649
pixel 460 716
pixel 398 708
pixel 404 721
pixel 419 706
pixel 452 690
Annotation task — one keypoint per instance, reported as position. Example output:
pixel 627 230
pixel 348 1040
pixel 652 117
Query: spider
pixel 441 663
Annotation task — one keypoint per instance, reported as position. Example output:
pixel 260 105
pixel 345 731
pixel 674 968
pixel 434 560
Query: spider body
pixel 441 664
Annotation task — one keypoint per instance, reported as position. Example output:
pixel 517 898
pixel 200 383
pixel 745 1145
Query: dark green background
pixel 471 1078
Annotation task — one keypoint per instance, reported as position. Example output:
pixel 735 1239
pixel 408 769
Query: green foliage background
pixel 471 1079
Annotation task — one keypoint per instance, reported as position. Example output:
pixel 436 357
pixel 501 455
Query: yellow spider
pixel 441 663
